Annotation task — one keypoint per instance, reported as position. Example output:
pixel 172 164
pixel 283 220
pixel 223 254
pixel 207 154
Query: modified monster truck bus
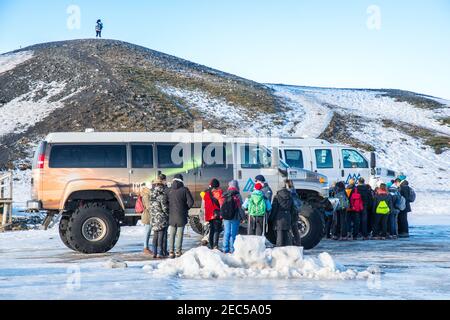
pixel 92 179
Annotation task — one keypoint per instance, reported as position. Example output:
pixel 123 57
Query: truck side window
pixel 142 156
pixel 254 157
pixel 165 159
pixel 353 159
pixel 214 155
pixel 324 159
pixel 88 156
pixel 294 158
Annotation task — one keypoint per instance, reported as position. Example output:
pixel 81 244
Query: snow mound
pixel 11 60
pixel 252 259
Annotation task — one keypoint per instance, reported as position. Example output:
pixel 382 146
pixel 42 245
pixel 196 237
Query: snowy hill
pixel 116 86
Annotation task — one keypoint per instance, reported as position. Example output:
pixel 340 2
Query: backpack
pixel 383 207
pixel 139 208
pixel 412 195
pixel 217 212
pixel 257 206
pixel 400 204
pixel 343 200
pixel 228 209
pixel 356 203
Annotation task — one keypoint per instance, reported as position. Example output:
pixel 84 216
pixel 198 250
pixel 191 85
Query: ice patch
pixel 115 264
pixel 252 259
pixel 239 117
pixel 11 60
pixel 24 111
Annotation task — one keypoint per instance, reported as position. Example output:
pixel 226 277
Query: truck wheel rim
pixel 303 226
pixel 94 229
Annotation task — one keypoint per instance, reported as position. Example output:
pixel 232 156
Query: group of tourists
pixel 165 213
pixel 361 213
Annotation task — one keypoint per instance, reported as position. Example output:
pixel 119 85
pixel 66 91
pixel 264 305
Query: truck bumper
pixel 34 205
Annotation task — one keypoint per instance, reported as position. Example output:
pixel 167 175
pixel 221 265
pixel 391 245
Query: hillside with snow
pixel 117 86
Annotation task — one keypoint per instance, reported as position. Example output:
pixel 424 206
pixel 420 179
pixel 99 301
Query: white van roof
pixel 142 137
pixel 306 142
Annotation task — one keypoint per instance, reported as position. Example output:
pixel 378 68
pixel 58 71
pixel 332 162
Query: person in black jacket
pixel 179 200
pixel 367 197
pixel 382 207
pixel 283 209
pixel 405 191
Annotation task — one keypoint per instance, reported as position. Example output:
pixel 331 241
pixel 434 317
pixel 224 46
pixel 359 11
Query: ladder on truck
pixel 6 201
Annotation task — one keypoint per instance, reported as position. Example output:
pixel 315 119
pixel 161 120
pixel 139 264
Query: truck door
pixel 215 161
pixel 253 160
pixel 171 160
pixel 326 161
pixel 354 165
pixel 142 168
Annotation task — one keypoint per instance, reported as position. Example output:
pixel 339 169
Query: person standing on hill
pixel 410 196
pixel 99 28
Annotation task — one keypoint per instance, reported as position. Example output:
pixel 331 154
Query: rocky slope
pixel 115 86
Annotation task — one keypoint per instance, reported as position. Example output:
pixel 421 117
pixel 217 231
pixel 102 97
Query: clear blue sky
pixel 317 43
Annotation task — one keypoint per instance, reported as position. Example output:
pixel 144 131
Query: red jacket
pixel 211 206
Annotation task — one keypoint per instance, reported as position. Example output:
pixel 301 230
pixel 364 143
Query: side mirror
pixel 373 160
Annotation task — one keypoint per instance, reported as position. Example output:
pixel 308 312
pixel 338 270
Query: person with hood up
pixel 367 198
pixel 258 207
pixel 408 193
pixel 283 209
pixel 179 200
pixel 382 207
pixel 213 200
pixel 232 215
pixel 98 29
pixel 146 218
pixel 160 217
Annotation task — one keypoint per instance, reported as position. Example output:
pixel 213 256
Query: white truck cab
pixel 337 161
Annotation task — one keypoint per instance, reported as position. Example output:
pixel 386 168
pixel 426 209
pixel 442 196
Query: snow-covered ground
pixel 11 60
pixel 36 265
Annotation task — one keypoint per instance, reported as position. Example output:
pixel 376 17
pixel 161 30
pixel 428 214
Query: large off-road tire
pixel 63 225
pixel 311 225
pixel 196 224
pixel 93 229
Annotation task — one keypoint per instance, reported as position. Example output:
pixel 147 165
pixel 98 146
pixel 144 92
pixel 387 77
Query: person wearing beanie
pixel 258 207
pixel 212 201
pixel 267 191
pixel 180 200
pixel 232 214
